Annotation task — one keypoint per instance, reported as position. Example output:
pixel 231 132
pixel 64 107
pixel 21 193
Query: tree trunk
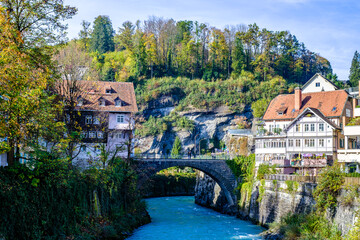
pixel 11 157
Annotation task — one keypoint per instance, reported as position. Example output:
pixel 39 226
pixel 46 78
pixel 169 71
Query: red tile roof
pixel 330 103
pixel 92 91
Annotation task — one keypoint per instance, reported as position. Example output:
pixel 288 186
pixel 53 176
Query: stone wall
pixel 209 194
pixel 277 201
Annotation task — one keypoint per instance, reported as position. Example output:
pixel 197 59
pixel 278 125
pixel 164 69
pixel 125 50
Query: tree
pixel 354 76
pixel 74 65
pixel 26 110
pixel 85 33
pixel 259 107
pixel 39 21
pixel 238 57
pixel 176 149
pixel 102 37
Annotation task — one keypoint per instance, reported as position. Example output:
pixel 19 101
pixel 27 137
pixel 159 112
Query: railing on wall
pixel 310 179
pixel 153 156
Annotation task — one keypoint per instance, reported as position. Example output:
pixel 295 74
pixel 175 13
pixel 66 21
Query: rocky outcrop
pixel 277 201
pixel 209 194
pixel 209 124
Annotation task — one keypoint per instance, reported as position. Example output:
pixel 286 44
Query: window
pixel 317 84
pixel 83 148
pixel 291 143
pixel 92 134
pixel 297 128
pixel 306 127
pixel 108 91
pixel 321 127
pixel 348 113
pixel 84 134
pixel 120 118
pixel 118 103
pixel 88 119
pixel 312 143
pixel 306 142
pixel 312 127
pixel 80 102
pixel 298 143
pixel 100 135
pixel 102 102
pixel 321 143
pixel 334 109
pixel 96 120
pixel 342 143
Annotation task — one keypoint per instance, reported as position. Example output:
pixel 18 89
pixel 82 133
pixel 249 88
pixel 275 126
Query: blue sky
pixel 328 27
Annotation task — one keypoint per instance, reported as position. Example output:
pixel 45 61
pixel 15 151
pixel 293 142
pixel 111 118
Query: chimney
pixel 298 99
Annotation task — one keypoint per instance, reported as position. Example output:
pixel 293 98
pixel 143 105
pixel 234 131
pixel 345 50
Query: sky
pixel 328 27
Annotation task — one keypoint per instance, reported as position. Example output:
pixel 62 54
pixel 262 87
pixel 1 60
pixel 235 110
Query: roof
pixel 318 75
pixel 92 91
pixel 330 104
pixel 316 112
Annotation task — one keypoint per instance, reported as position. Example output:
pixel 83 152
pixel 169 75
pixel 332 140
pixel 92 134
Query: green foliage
pixel 176 149
pixel 152 127
pixel 102 36
pixel 307 226
pixel 179 122
pixel 354 122
pixel 330 182
pixel 259 107
pixel 261 190
pixel 243 167
pixel 355 70
pixel 353 234
pixel 265 169
pixel 291 186
pixel 350 195
pixel 207 95
pixel 172 181
pixel 58 202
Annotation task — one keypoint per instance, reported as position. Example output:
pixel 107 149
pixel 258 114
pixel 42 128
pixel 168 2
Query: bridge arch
pixel 216 169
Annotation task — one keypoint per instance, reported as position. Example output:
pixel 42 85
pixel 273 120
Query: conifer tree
pixel 102 37
pixel 354 76
pixel 176 149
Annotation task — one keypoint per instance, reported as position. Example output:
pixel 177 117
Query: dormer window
pixel 80 101
pixel 108 91
pixel 117 102
pixel 102 102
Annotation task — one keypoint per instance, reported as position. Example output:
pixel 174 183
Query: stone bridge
pixel 215 168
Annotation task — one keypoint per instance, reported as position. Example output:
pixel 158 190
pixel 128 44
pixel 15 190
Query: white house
pixel 318 83
pixel 106 116
pixel 302 131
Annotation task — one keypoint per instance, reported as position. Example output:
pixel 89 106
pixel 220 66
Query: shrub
pixel 330 182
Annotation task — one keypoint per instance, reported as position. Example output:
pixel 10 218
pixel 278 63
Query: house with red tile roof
pixel 105 113
pixel 302 132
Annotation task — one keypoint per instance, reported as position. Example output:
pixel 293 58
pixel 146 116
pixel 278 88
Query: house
pixel 349 151
pixel 318 83
pixel 302 132
pixel 106 117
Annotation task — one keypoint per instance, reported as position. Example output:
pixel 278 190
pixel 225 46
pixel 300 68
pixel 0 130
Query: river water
pixel 175 218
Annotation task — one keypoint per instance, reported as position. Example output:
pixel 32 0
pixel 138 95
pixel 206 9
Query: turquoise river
pixel 180 218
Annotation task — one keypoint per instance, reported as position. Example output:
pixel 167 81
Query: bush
pixel 330 182
pixel 265 169
pixel 56 202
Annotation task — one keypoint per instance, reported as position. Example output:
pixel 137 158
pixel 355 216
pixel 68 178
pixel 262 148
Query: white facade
pixel 350 155
pixel 308 134
pixel 317 84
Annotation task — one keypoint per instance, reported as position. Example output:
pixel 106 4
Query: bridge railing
pixel 182 157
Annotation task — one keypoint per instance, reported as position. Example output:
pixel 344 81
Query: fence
pixel 183 157
pixel 311 179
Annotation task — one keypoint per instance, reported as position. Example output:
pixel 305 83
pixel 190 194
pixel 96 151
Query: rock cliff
pixel 277 201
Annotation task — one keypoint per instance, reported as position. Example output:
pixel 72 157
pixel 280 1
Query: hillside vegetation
pixel 193 65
